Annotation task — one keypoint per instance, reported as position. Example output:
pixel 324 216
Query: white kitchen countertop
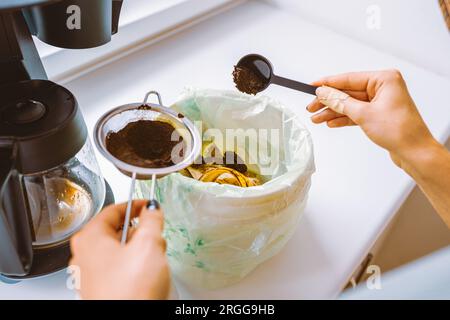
pixel 356 189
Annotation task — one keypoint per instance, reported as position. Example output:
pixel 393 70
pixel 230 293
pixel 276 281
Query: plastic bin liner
pixel 217 234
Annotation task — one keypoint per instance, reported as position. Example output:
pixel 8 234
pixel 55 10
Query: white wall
pixel 411 29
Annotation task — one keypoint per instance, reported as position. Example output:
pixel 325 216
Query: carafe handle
pixel 16 252
pixel 117 8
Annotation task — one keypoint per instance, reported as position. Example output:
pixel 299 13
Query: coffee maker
pixel 50 183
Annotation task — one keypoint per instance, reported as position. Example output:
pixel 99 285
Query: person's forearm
pixel 430 167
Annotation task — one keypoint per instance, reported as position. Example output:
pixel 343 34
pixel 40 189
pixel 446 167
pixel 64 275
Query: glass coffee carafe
pixel 63 199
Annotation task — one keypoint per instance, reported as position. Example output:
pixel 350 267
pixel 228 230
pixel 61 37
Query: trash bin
pixel 217 234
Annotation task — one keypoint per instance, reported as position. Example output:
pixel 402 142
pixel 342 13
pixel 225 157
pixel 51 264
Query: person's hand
pixel 380 104
pixel 108 270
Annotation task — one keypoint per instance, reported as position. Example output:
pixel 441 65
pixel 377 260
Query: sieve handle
pixel 126 224
pixel 156 93
pixel 152 190
pixel 153 203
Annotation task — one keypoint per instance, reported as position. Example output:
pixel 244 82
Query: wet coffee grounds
pixel 247 81
pixel 144 143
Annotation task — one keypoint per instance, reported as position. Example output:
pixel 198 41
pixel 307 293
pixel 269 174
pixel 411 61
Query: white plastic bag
pixel 217 234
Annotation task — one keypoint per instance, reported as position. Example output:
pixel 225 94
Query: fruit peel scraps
pixel 236 173
pixel 222 175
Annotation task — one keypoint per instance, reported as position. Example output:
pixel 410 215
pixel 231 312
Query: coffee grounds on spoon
pixel 144 143
pixel 247 81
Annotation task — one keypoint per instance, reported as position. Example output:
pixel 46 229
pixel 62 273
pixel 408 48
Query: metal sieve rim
pixel 126 167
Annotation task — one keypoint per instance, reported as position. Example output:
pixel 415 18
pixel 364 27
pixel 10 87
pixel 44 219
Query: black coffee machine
pixel 50 183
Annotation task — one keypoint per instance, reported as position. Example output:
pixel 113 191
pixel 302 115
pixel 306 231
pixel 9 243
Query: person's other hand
pixel 108 270
pixel 380 104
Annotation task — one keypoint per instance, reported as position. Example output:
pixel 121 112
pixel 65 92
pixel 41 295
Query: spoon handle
pixel 300 86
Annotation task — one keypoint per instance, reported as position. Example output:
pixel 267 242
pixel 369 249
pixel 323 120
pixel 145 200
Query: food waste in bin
pixel 223 168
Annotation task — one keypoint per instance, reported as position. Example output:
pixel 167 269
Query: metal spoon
pixel 263 69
